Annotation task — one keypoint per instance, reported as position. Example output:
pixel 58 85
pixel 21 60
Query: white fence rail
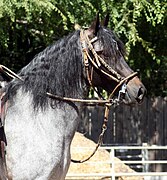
pixel 144 161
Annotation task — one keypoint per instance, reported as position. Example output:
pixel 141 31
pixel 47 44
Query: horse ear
pixel 106 20
pixel 95 25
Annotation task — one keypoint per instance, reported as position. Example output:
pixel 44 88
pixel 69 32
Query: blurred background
pixel 28 26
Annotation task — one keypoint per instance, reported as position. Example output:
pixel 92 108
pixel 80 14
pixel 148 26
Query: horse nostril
pixel 141 94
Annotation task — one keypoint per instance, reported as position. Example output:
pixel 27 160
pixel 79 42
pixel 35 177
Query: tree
pixel 27 26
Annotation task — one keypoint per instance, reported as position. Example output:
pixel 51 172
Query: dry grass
pixel 100 156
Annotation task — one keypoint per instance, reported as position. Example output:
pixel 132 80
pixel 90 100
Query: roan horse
pixel 39 130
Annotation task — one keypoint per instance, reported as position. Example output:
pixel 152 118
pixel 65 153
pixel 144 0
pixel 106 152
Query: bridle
pixel 97 62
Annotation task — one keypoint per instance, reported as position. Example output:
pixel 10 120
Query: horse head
pixel 108 68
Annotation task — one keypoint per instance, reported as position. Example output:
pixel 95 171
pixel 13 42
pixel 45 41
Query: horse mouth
pixel 130 100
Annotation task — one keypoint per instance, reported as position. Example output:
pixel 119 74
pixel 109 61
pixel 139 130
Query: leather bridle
pixel 97 62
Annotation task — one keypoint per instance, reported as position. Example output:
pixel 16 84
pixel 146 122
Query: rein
pixel 107 103
pixel 97 62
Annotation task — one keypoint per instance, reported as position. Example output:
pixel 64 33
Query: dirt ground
pixel 93 165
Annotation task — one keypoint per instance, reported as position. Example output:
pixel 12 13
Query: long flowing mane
pixel 58 69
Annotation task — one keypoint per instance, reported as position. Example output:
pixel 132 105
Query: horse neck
pixel 58 70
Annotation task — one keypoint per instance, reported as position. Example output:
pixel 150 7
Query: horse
pixel 39 129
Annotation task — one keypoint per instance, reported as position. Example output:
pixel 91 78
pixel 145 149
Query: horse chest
pixel 38 143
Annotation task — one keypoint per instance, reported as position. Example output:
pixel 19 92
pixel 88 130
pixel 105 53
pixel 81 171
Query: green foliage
pixel 27 26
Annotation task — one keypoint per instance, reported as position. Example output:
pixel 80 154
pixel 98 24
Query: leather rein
pixel 96 62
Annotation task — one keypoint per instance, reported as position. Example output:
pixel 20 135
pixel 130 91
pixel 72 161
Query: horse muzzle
pixel 135 92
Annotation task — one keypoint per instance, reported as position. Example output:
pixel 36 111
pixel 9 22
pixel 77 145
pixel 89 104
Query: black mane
pixel 59 68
